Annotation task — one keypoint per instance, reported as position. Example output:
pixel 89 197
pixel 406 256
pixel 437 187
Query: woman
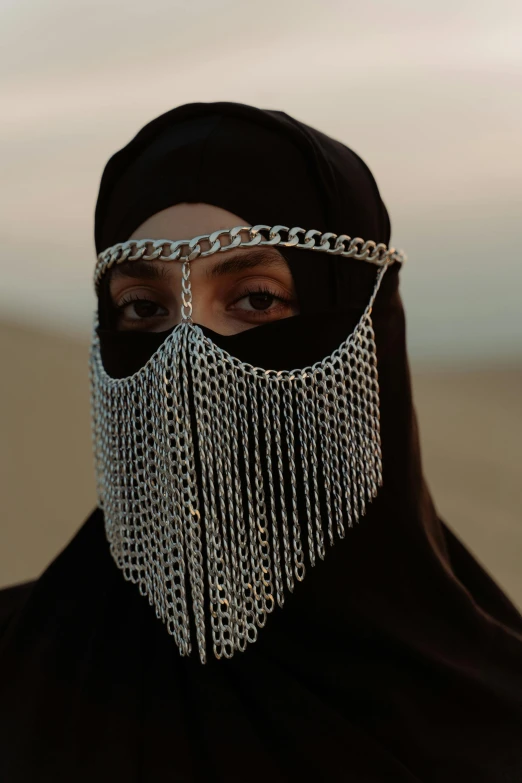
pixel 268 592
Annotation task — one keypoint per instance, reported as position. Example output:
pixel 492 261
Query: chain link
pixel 229 239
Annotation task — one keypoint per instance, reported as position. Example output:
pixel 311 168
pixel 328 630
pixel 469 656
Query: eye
pixel 260 300
pixel 139 308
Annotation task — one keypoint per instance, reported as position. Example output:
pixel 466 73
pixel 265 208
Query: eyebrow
pixel 236 262
pixel 241 260
pixel 140 270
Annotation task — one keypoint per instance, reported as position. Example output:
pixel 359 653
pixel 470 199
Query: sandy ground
pixel 471 429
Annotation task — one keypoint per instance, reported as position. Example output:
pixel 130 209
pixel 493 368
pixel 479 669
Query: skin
pixel 231 292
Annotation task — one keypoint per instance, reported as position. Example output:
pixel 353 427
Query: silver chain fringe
pixel 179 451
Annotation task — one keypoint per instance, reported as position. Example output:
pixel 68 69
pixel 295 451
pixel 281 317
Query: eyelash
pixel 265 291
pixel 132 298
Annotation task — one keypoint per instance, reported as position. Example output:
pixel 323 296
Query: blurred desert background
pixel 427 93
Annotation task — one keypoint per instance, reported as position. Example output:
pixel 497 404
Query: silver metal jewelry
pixel 232 238
pixel 200 458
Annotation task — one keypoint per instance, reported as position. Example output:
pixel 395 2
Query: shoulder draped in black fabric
pixel 397 659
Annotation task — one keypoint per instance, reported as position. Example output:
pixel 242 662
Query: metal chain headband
pixel 168 250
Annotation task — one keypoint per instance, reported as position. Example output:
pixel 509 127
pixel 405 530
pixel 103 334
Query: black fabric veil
pixel 397 659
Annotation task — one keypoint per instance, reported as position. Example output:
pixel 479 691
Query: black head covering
pixel 268 168
pixel 262 165
pixel 397 659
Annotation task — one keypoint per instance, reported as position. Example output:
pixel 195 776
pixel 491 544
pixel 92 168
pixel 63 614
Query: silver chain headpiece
pixel 180 449
pixel 232 238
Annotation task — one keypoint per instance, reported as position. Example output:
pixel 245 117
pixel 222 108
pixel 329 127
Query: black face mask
pixel 329 311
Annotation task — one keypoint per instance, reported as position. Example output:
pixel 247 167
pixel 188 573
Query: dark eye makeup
pixel 263 302
pixel 261 297
pixel 143 306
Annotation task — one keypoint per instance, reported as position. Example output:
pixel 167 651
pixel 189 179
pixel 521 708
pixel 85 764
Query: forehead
pixel 186 220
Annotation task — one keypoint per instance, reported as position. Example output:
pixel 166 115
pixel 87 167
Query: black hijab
pixel 397 659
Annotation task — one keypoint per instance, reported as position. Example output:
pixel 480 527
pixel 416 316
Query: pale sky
pixel 428 92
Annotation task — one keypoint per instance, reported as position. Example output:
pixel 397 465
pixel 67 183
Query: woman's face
pixel 231 292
